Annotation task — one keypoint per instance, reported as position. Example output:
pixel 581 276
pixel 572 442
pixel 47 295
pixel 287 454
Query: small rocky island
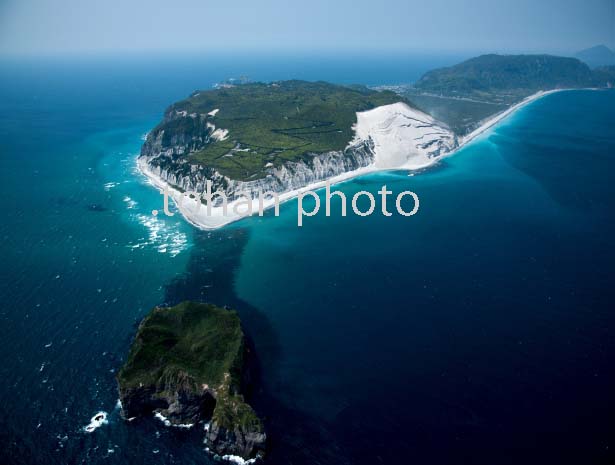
pixel 189 364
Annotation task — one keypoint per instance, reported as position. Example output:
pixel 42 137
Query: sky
pixel 40 27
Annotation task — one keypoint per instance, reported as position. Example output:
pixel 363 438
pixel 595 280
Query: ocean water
pixel 478 331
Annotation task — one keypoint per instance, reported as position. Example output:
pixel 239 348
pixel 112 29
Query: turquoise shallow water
pixel 478 331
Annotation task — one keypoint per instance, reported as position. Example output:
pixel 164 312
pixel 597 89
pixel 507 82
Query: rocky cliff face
pixel 165 152
pixel 175 397
pixel 178 402
pixel 165 157
pixel 188 366
pixel 234 442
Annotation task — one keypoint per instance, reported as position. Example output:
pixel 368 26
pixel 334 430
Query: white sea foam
pixel 166 422
pixel 165 237
pixel 130 203
pixel 238 460
pixel 110 185
pixel 162 418
pixel 184 425
pixel 96 422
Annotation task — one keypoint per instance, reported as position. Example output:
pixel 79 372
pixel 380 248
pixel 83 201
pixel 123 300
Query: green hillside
pixel 509 76
pixel 266 123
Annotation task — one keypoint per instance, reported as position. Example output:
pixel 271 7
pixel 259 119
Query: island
pixel 284 136
pixel 189 364
pixel 288 136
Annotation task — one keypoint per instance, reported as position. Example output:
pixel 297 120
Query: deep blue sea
pixel 479 331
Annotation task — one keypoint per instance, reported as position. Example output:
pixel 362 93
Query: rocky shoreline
pixel 189 365
pixel 168 164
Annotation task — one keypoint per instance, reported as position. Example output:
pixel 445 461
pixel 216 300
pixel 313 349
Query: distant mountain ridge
pixel 597 56
pixel 496 73
pixel 465 94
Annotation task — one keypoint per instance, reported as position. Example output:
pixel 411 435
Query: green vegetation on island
pixel 244 132
pixel 506 78
pixel 188 364
pixel 200 339
pixel 261 124
pixel 465 94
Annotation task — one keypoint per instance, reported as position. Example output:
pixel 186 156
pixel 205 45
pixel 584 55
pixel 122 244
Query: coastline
pixel 197 218
pixel 492 121
pixel 195 214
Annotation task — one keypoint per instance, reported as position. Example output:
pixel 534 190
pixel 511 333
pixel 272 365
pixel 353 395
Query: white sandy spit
pixel 490 122
pixel 400 135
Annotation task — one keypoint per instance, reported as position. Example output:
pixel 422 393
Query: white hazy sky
pixel 74 26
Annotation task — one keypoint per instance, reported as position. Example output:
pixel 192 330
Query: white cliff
pixel 394 136
pixel 403 137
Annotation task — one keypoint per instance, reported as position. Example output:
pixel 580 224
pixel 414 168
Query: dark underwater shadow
pixel 294 437
pixel 209 277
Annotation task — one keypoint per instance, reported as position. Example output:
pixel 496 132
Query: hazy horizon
pixel 71 27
